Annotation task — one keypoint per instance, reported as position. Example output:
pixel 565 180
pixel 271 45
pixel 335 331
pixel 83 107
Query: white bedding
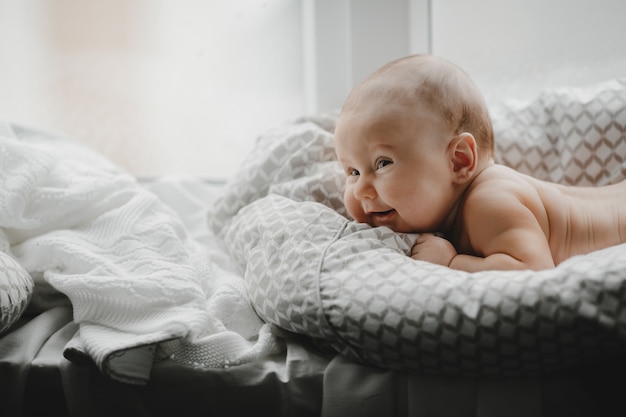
pixel 142 283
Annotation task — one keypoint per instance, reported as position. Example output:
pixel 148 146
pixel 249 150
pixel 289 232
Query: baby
pixel 416 142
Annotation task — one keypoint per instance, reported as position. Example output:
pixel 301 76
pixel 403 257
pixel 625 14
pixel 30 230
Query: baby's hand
pixel 435 249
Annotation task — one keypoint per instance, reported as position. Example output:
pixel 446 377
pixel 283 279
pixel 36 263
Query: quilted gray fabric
pixel 312 271
pixel 574 136
pixel 16 290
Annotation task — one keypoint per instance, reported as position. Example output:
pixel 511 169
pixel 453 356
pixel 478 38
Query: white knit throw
pixel 139 285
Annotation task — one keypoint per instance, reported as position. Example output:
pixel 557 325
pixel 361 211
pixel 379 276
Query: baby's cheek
pixel 353 207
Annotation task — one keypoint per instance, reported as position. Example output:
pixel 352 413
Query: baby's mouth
pixel 381 217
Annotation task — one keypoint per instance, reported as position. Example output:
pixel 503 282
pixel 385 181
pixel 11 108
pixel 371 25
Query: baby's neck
pixel 482 165
pixel 451 221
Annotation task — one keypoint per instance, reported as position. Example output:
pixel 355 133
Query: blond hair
pixel 443 86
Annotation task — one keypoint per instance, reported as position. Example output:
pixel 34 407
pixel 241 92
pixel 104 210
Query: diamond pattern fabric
pixel 16 289
pixel 574 136
pixel 312 271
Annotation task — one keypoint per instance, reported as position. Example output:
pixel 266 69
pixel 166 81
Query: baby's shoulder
pixel 498 186
pixel 499 172
pixel 498 178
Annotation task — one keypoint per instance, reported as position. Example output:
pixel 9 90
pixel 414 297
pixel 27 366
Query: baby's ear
pixel 464 156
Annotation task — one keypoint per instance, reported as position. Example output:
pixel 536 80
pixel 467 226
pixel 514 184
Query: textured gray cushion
pixel 574 135
pixel 312 271
pixel 16 289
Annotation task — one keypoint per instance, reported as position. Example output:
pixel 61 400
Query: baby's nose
pixel 364 189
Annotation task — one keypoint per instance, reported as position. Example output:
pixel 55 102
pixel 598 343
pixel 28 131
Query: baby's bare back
pixel 584 219
pixel 576 220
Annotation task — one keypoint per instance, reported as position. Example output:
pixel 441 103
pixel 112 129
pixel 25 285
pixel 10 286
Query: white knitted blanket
pixel 141 288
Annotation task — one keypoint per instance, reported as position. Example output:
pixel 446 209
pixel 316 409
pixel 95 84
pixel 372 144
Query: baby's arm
pixel 435 249
pixel 504 260
pixel 432 248
pixel 503 232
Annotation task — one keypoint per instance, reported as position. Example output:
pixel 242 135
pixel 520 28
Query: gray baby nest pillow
pixel 310 270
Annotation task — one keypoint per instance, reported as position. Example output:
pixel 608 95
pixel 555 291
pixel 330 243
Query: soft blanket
pixel 141 288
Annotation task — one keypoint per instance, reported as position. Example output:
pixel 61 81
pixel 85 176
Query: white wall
pixel 221 72
pixel 346 40
pixel 159 86
pixel 515 48
pixel 168 86
pixel 512 49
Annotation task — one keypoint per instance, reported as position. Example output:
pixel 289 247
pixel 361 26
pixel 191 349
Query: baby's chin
pixel 400 227
pixel 390 219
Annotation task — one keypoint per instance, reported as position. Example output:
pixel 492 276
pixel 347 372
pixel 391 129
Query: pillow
pixel 568 135
pixel 296 160
pixel 16 289
pixel 312 271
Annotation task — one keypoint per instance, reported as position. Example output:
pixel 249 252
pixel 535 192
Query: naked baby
pixel 416 143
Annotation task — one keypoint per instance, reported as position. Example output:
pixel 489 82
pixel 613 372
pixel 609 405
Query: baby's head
pixel 419 81
pixel 409 136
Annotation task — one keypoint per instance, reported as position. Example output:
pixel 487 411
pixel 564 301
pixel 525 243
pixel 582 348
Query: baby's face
pixel 398 172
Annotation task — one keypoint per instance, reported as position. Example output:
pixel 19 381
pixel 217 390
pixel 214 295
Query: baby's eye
pixel 381 163
pixel 352 172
